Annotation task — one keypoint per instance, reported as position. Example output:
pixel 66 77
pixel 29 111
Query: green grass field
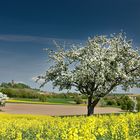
pixel 36 101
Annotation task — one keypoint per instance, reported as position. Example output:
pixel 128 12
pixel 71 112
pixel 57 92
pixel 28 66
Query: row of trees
pixel 30 93
pixel 14 85
pixel 20 93
pixel 33 94
pixel 122 101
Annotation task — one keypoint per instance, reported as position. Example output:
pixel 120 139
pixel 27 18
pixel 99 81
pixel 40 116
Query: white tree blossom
pixel 97 68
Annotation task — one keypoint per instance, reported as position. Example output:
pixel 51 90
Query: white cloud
pixel 36 39
pixel 40 81
pixel 20 82
pixel 34 79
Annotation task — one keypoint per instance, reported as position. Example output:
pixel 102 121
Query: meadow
pixel 99 127
pixel 47 102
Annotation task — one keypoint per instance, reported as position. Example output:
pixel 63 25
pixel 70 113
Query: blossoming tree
pixel 95 69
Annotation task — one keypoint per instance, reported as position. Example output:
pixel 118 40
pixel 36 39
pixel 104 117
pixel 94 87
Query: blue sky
pixel 26 27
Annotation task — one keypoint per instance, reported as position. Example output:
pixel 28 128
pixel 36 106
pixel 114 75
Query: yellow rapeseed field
pixel 29 127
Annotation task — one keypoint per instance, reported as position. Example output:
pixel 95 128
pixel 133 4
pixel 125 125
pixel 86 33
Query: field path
pixel 57 110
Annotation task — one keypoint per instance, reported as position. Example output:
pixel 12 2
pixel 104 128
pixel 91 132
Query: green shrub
pixel 78 100
pixel 15 85
pixel 127 103
pixel 20 93
pixel 119 102
pixel 102 102
pixel 138 103
pixel 111 102
pixel 138 106
pixel 42 98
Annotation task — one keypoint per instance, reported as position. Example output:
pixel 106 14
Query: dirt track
pixel 57 110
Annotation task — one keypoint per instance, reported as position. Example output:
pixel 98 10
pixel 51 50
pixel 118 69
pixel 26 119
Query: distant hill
pixel 19 90
pixel 14 85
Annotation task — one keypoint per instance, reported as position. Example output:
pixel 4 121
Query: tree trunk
pixel 90 110
pixel 91 105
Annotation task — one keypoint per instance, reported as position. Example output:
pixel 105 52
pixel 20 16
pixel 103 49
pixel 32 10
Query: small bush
pixel 78 100
pixel 138 106
pixel 127 103
pixel 119 102
pixel 42 98
pixel 111 102
pixel 138 103
pixel 102 103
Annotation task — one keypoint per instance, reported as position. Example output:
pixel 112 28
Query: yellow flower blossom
pixel 34 127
